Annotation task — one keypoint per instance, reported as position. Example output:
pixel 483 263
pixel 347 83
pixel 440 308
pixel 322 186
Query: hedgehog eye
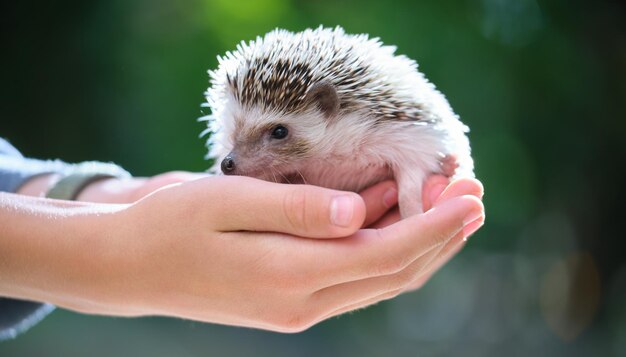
pixel 279 132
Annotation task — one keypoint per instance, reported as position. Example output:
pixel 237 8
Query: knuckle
pixel 295 209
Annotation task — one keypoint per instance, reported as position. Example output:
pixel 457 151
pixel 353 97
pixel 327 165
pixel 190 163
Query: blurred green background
pixel 540 83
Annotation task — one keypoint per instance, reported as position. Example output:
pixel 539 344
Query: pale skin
pixel 228 250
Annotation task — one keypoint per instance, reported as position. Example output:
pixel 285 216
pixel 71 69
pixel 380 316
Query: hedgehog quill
pixel 326 108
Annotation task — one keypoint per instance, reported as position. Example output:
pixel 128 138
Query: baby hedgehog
pixel 326 108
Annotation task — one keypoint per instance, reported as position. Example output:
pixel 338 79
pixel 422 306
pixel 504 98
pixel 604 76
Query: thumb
pixel 303 210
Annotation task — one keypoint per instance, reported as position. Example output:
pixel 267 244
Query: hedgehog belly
pixel 346 176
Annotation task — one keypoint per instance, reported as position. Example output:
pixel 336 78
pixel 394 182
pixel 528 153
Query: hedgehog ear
pixel 325 97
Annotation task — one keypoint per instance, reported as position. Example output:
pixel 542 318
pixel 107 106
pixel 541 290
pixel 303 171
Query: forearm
pixel 54 251
pixel 32 177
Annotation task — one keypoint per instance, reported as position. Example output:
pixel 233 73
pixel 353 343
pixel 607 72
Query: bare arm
pixel 200 250
pixel 48 246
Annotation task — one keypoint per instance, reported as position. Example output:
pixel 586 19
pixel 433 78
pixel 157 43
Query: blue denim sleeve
pixel 17 316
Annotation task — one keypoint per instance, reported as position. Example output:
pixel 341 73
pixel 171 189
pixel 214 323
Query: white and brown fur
pixel 356 113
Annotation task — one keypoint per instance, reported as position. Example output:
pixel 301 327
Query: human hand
pixel 208 252
pixel 436 190
pixel 127 190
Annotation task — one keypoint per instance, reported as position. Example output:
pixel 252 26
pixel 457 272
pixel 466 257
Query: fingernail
pixel 471 228
pixel 341 210
pixel 472 216
pixel 474 220
pixel 390 198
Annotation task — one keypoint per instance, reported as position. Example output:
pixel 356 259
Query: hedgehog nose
pixel 228 165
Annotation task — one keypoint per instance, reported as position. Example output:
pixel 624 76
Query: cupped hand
pixel 436 190
pixel 241 251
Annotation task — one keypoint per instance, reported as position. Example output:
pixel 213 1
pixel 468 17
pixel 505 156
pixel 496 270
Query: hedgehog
pixel 331 109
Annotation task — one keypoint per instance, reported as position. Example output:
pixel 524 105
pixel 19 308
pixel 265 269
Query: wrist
pixel 96 263
pixel 111 190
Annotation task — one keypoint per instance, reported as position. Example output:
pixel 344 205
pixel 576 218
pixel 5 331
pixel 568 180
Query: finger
pixel 378 200
pixel 435 266
pixel 385 251
pixel 346 293
pixel 463 186
pixel 369 289
pixel 443 255
pixel 362 304
pixel 432 189
pixel 244 203
pixel 372 288
pixel 449 250
pixel 454 247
